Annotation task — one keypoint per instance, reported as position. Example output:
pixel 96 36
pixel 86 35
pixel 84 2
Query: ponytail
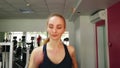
pixel 46 41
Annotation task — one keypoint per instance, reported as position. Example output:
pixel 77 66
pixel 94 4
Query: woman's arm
pixel 31 62
pixel 73 56
pixel 36 57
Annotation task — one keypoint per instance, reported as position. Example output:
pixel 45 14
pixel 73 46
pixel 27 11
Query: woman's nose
pixel 54 30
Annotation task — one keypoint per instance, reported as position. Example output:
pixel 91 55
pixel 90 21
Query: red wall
pixel 114 35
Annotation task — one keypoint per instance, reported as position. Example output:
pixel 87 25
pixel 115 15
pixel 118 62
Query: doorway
pixel 101 47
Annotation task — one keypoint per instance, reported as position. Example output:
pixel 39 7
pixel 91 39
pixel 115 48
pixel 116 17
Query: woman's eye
pixel 51 27
pixel 59 27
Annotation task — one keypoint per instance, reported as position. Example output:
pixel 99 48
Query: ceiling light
pixel 27 4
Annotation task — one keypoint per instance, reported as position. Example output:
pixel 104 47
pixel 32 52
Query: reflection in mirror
pixel 23 44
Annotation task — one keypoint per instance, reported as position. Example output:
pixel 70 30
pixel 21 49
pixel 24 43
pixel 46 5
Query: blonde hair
pixel 52 15
pixel 58 15
pixel 46 41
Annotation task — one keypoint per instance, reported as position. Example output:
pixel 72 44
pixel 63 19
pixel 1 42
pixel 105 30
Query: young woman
pixel 54 54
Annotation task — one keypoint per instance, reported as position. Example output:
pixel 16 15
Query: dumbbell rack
pixel 10 54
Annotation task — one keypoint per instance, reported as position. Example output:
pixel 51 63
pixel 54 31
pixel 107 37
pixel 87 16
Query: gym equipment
pixel 31 46
pixel 27 57
pixel 24 52
pixel 14 42
pixel 5 61
pixel 23 42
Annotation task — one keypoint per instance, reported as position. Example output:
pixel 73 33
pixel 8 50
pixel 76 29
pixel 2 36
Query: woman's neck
pixel 54 43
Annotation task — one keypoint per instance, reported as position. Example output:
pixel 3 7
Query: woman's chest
pixel 56 56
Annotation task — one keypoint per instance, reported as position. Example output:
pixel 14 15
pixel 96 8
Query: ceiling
pixel 40 9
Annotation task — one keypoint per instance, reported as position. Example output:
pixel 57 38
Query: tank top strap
pixel 66 49
pixel 44 49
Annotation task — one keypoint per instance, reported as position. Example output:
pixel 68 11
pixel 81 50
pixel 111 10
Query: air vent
pixel 26 10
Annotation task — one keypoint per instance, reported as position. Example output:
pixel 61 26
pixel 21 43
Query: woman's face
pixel 55 27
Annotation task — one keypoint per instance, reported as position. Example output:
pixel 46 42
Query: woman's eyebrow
pixel 59 25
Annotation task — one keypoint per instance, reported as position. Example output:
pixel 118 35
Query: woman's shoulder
pixel 38 54
pixel 71 49
pixel 37 50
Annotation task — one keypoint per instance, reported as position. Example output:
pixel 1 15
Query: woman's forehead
pixel 55 20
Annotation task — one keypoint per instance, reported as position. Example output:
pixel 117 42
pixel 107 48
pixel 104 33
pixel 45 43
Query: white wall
pixel 77 41
pixel 70 28
pixel 22 25
pixel 85 42
pixel 25 25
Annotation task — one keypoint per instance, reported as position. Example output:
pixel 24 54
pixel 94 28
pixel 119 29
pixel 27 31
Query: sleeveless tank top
pixel 65 63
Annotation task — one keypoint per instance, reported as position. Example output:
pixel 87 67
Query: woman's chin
pixel 55 38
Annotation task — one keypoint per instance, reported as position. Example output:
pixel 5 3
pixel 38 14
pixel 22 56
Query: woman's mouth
pixel 54 35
